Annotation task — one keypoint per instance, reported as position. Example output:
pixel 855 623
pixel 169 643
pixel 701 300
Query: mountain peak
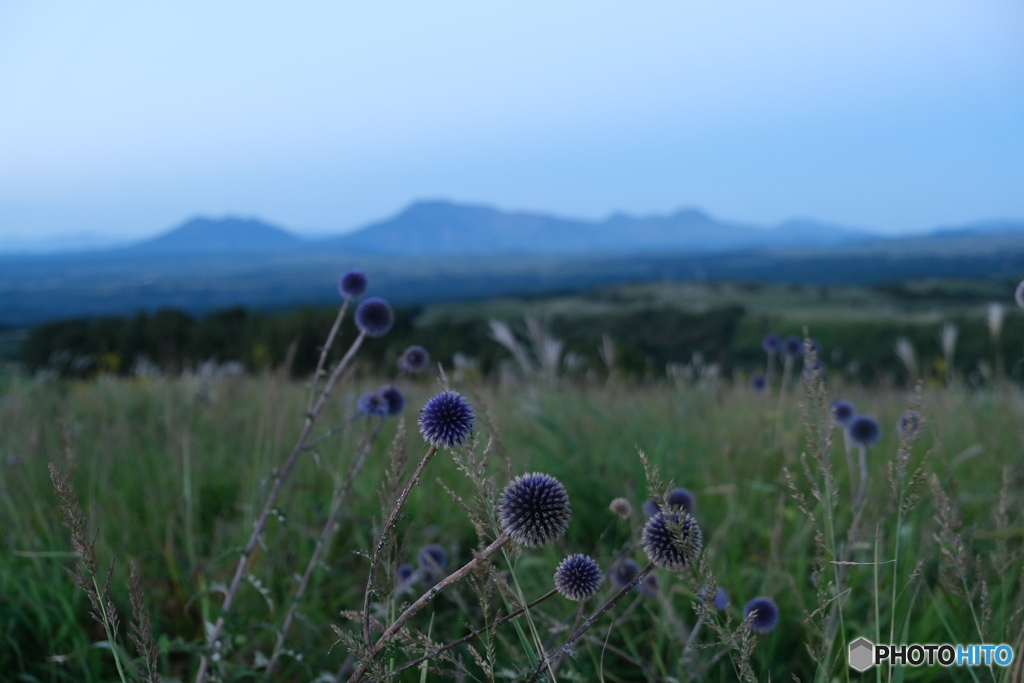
pixel 230 233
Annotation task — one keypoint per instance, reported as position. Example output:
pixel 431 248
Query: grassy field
pixel 171 473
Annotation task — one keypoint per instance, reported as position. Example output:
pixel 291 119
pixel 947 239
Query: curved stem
pixel 279 478
pixel 323 354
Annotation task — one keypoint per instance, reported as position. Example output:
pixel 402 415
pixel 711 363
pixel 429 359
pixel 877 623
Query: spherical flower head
pixel 432 558
pixel 842 412
pixel 624 571
pixel 394 400
pixel 534 509
pixel 767 617
pixel 374 317
pixel 864 431
pixel 721 600
pixel 793 346
pixel 910 426
pixel 352 284
pixel 650 585
pixel 414 360
pixel 404 572
pixel 446 420
pixel 771 343
pixel 650 507
pixel 373 403
pixel 758 382
pixel 671 540
pixel 578 577
pixel 682 499
pixel 1019 294
pixel 621 507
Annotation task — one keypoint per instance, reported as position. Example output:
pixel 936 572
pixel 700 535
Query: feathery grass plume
pixel 1018 295
pixel 373 404
pixel 621 507
pixel 578 577
pixel 906 355
pixel 758 382
pixel 414 360
pixel 910 426
pixel 671 540
pixel 446 420
pixel 141 634
pixel 394 400
pixel 682 499
pixel 623 572
pixel 995 316
pixel 763 614
pixel 86 575
pixel 352 284
pixel 374 317
pixel 947 341
pixel 534 508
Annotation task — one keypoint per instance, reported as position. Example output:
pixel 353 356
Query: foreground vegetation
pixel 172 471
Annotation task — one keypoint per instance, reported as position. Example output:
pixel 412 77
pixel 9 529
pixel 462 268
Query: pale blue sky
pixel 124 118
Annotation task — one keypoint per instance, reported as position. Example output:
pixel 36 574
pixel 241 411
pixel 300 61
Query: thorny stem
pixel 388 526
pixel 440 587
pixel 590 621
pixel 340 495
pixel 323 354
pixel 469 636
pixel 279 477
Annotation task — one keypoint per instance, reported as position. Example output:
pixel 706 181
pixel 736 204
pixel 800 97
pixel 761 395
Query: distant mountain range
pixel 433 251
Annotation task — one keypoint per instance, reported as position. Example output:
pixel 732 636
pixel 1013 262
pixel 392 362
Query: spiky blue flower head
pixel 771 343
pixel 373 403
pixel 352 284
pixel 404 572
pixel 767 617
pixel 374 317
pixel 433 558
pixel 842 412
pixel 721 600
pixel 671 540
pixel 682 499
pixel 649 585
pixel 624 571
pixel 793 346
pixel 910 426
pixel 864 431
pixel 650 507
pixel 414 360
pixel 578 577
pixel 446 420
pixel 758 382
pixel 1019 294
pixel 535 509
pixel 394 399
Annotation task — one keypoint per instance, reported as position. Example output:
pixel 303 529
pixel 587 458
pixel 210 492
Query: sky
pixel 123 119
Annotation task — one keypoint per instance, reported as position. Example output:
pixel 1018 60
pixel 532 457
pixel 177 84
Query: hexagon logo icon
pixel 862 654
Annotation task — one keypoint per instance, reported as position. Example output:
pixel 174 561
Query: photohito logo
pixel 864 654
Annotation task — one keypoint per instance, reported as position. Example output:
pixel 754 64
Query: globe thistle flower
pixel 842 412
pixel 624 571
pixel 374 317
pixel 758 382
pixel 721 600
pixel 373 404
pixel 621 508
pixel 910 425
pixel 651 507
pixel 414 360
pixel 683 500
pixel 352 284
pixel 650 585
pixel 792 346
pixel 1019 294
pixel 404 572
pixel 864 431
pixel 670 540
pixel 766 617
pixel 432 557
pixel 578 577
pixel 394 400
pixel 534 509
pixel 771 343
pixel 446 420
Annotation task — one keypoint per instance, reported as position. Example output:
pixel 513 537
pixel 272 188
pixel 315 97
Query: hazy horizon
pixel 124 120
